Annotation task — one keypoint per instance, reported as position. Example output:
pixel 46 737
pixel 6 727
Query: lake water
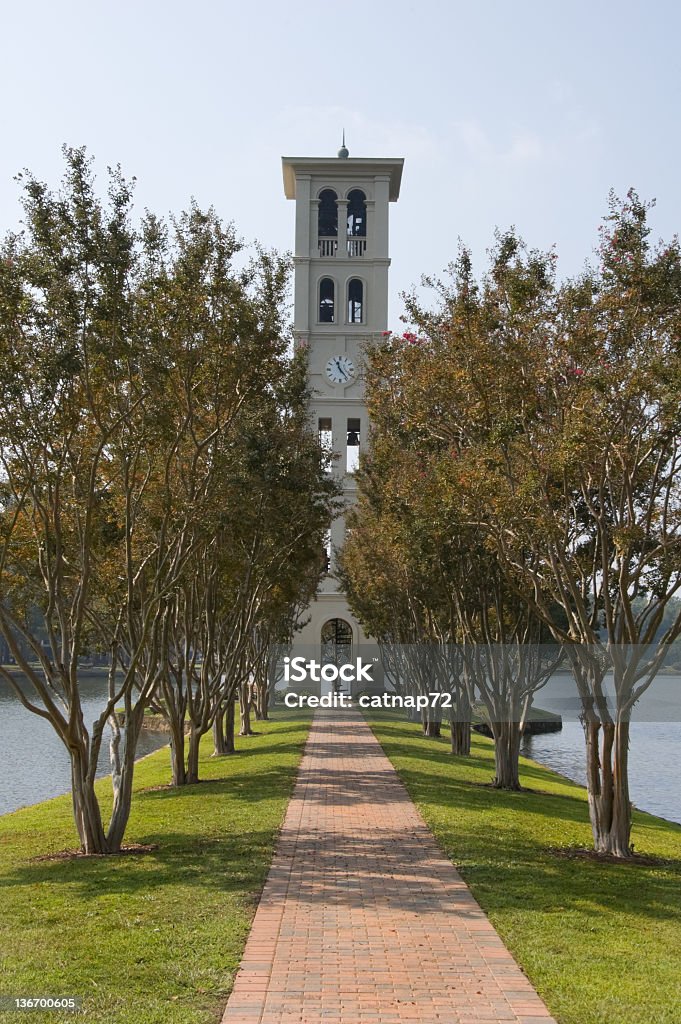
pixel 37 766
pixel 655 748
pixel 35 762
pixel 654 762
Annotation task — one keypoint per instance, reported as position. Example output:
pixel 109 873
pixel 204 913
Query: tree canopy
pixel 532 428
pixel 162 495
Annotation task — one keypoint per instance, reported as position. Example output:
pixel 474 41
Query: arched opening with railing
pixel 327 222
pixel 357 214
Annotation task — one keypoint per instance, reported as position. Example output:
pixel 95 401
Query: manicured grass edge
pixel 157 937
pixel 600 942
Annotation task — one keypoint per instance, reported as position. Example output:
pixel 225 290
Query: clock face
pixel 340 369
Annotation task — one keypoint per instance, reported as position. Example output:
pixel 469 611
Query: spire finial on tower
pixel 343 152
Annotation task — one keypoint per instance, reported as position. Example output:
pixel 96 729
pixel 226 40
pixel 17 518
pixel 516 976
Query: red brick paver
pixel 362 920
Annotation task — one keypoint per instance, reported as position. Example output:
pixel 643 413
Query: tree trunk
pixel 223 730
pixel 608 786
pixel 122 781
pixel 245 709
pixel 193 756
pixel 86 809
pixel 230 722
pixel 431 728
pixel 461 737
pixel 506 753
pixel 219 733
pixel 460 722
pixel 262 699
pixel 179 774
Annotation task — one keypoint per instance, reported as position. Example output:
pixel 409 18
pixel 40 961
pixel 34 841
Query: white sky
pixel 520 112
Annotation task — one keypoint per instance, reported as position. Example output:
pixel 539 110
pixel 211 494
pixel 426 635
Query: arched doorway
pixel 336 644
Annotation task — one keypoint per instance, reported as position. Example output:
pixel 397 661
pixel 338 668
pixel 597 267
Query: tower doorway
pixel 336 644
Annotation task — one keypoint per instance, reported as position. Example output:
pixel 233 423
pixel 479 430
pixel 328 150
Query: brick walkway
pixel 362 920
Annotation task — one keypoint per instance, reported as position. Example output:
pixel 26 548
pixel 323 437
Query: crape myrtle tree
pixel 216 341
pixel 255 477
pixel 503 660
pixel 412 518
pixel 71 402
pixel 128 356
pixel 284 516
pixel 563 404
pixel 390 566
pixel 258 565
pixel 291 502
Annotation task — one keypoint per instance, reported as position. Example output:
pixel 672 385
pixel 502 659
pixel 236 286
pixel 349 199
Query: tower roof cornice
pixel 335 167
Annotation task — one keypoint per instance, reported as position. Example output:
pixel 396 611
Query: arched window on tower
pixel 357 214
pixel 355 301
pixel 327 217
pixel 327 303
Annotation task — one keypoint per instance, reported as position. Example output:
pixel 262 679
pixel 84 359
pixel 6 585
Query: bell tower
pixel 341 299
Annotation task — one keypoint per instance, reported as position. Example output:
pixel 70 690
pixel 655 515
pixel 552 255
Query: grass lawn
pixel 155 937
pixel 601 942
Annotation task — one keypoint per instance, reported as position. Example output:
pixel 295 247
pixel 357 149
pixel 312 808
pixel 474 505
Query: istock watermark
pixel 411 702
pixel 300 670
pixel 499 680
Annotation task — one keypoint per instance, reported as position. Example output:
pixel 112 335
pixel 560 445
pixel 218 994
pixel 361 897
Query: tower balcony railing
pixel 355 246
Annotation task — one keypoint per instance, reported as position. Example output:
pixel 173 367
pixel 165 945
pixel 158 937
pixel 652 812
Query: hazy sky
pixel 519 112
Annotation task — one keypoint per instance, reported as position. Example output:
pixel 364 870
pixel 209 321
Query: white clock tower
pixel 341 299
